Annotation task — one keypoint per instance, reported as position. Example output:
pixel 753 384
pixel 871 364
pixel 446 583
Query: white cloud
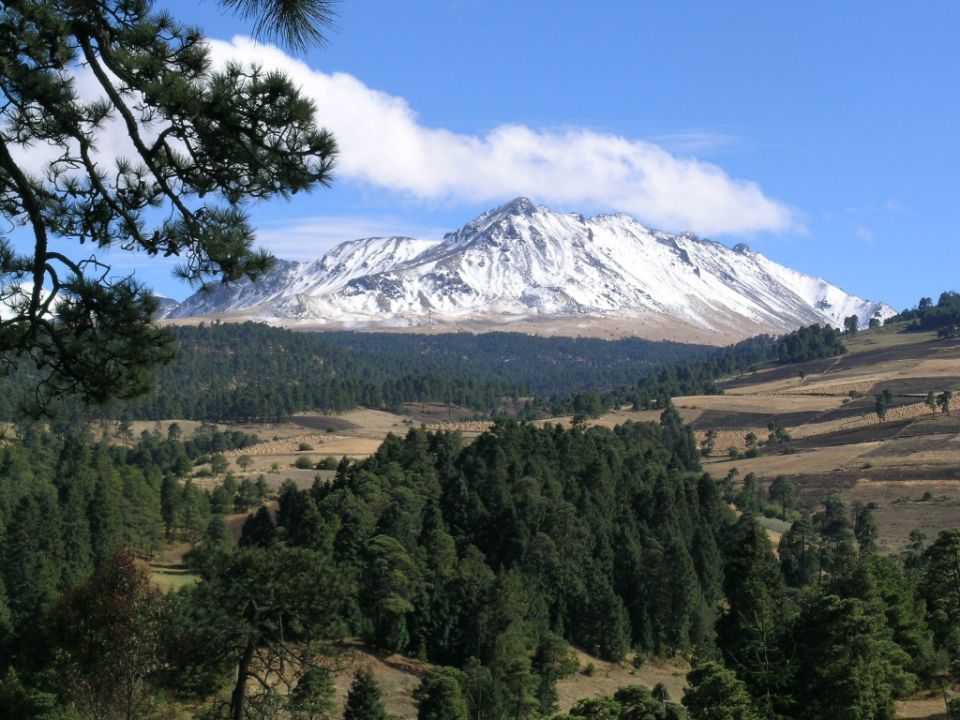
pixel 689 142
pixel 382 142
pixel 309 238
pixel 864 233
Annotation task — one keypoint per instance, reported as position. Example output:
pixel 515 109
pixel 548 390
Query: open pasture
pixel 837 442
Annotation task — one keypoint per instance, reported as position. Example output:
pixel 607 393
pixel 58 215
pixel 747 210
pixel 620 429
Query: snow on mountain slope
pixel 278 290
pixel 524 261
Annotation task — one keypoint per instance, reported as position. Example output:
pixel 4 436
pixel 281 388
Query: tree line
pixel 699 377
pixel 944 316
pixel 253 372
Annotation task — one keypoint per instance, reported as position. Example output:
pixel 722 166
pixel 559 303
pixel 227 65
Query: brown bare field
pixel 167 570
pixel 885 337
pixel 816 460
pixel 926 707
pixel 398 676
pixel 607 678
pixel 652 327
pixel 357 434
pixel 837 443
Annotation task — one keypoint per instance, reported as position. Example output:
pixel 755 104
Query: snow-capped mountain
pixel 277 293
pixel 524 262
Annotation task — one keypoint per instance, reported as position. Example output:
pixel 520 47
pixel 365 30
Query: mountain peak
pixel 518 206
pixel 521 261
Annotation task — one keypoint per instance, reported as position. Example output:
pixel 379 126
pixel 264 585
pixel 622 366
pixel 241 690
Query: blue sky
pixel 824 134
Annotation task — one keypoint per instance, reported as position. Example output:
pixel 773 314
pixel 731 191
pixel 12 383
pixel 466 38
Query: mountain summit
pixel 526 264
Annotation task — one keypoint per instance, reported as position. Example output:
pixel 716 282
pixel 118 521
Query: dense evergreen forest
pixel 487 559
pixel 253 372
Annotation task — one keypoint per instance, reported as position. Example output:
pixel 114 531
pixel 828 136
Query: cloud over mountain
pixel 383 142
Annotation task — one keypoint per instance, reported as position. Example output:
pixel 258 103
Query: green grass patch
pixel 775 524
pixel 172 578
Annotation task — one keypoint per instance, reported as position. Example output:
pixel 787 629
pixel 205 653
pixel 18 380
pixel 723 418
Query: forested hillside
pixel 487 559
pixel 253 372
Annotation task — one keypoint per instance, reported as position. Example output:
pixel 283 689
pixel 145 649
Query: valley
pixel 837 443
pixel 906 467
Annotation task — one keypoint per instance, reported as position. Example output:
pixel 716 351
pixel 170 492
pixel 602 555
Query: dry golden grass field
pixel 398 676
pixel 909 465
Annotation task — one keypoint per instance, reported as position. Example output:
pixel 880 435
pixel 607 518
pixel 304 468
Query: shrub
pixel 304 462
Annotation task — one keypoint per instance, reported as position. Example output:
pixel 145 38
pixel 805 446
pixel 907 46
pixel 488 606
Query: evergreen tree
pixel 87 332
pixel 602 626
pixel 943 401
pixel 799 553
pixel 363 700
pixel 252 617
pixel 77 541
pixel 599 708
pixel 552 661
pixel 865 528
pixel 313 697
pixel 33 556
pixel 258 529
pixel 389 585
pixel 105 521
pixel 748 499
pixel 750 633
pixel 20 702
pixel 170 504
pixel 883 582
pixel 514 682
pixel 882 404
pixel 941 588
pixel 440 695
pixel 833 524
pixel 783 491
pixel 931 402
pixel 6 621
pixel 851 324
pixel 847 664
pixel 679 438
pixel 715 693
